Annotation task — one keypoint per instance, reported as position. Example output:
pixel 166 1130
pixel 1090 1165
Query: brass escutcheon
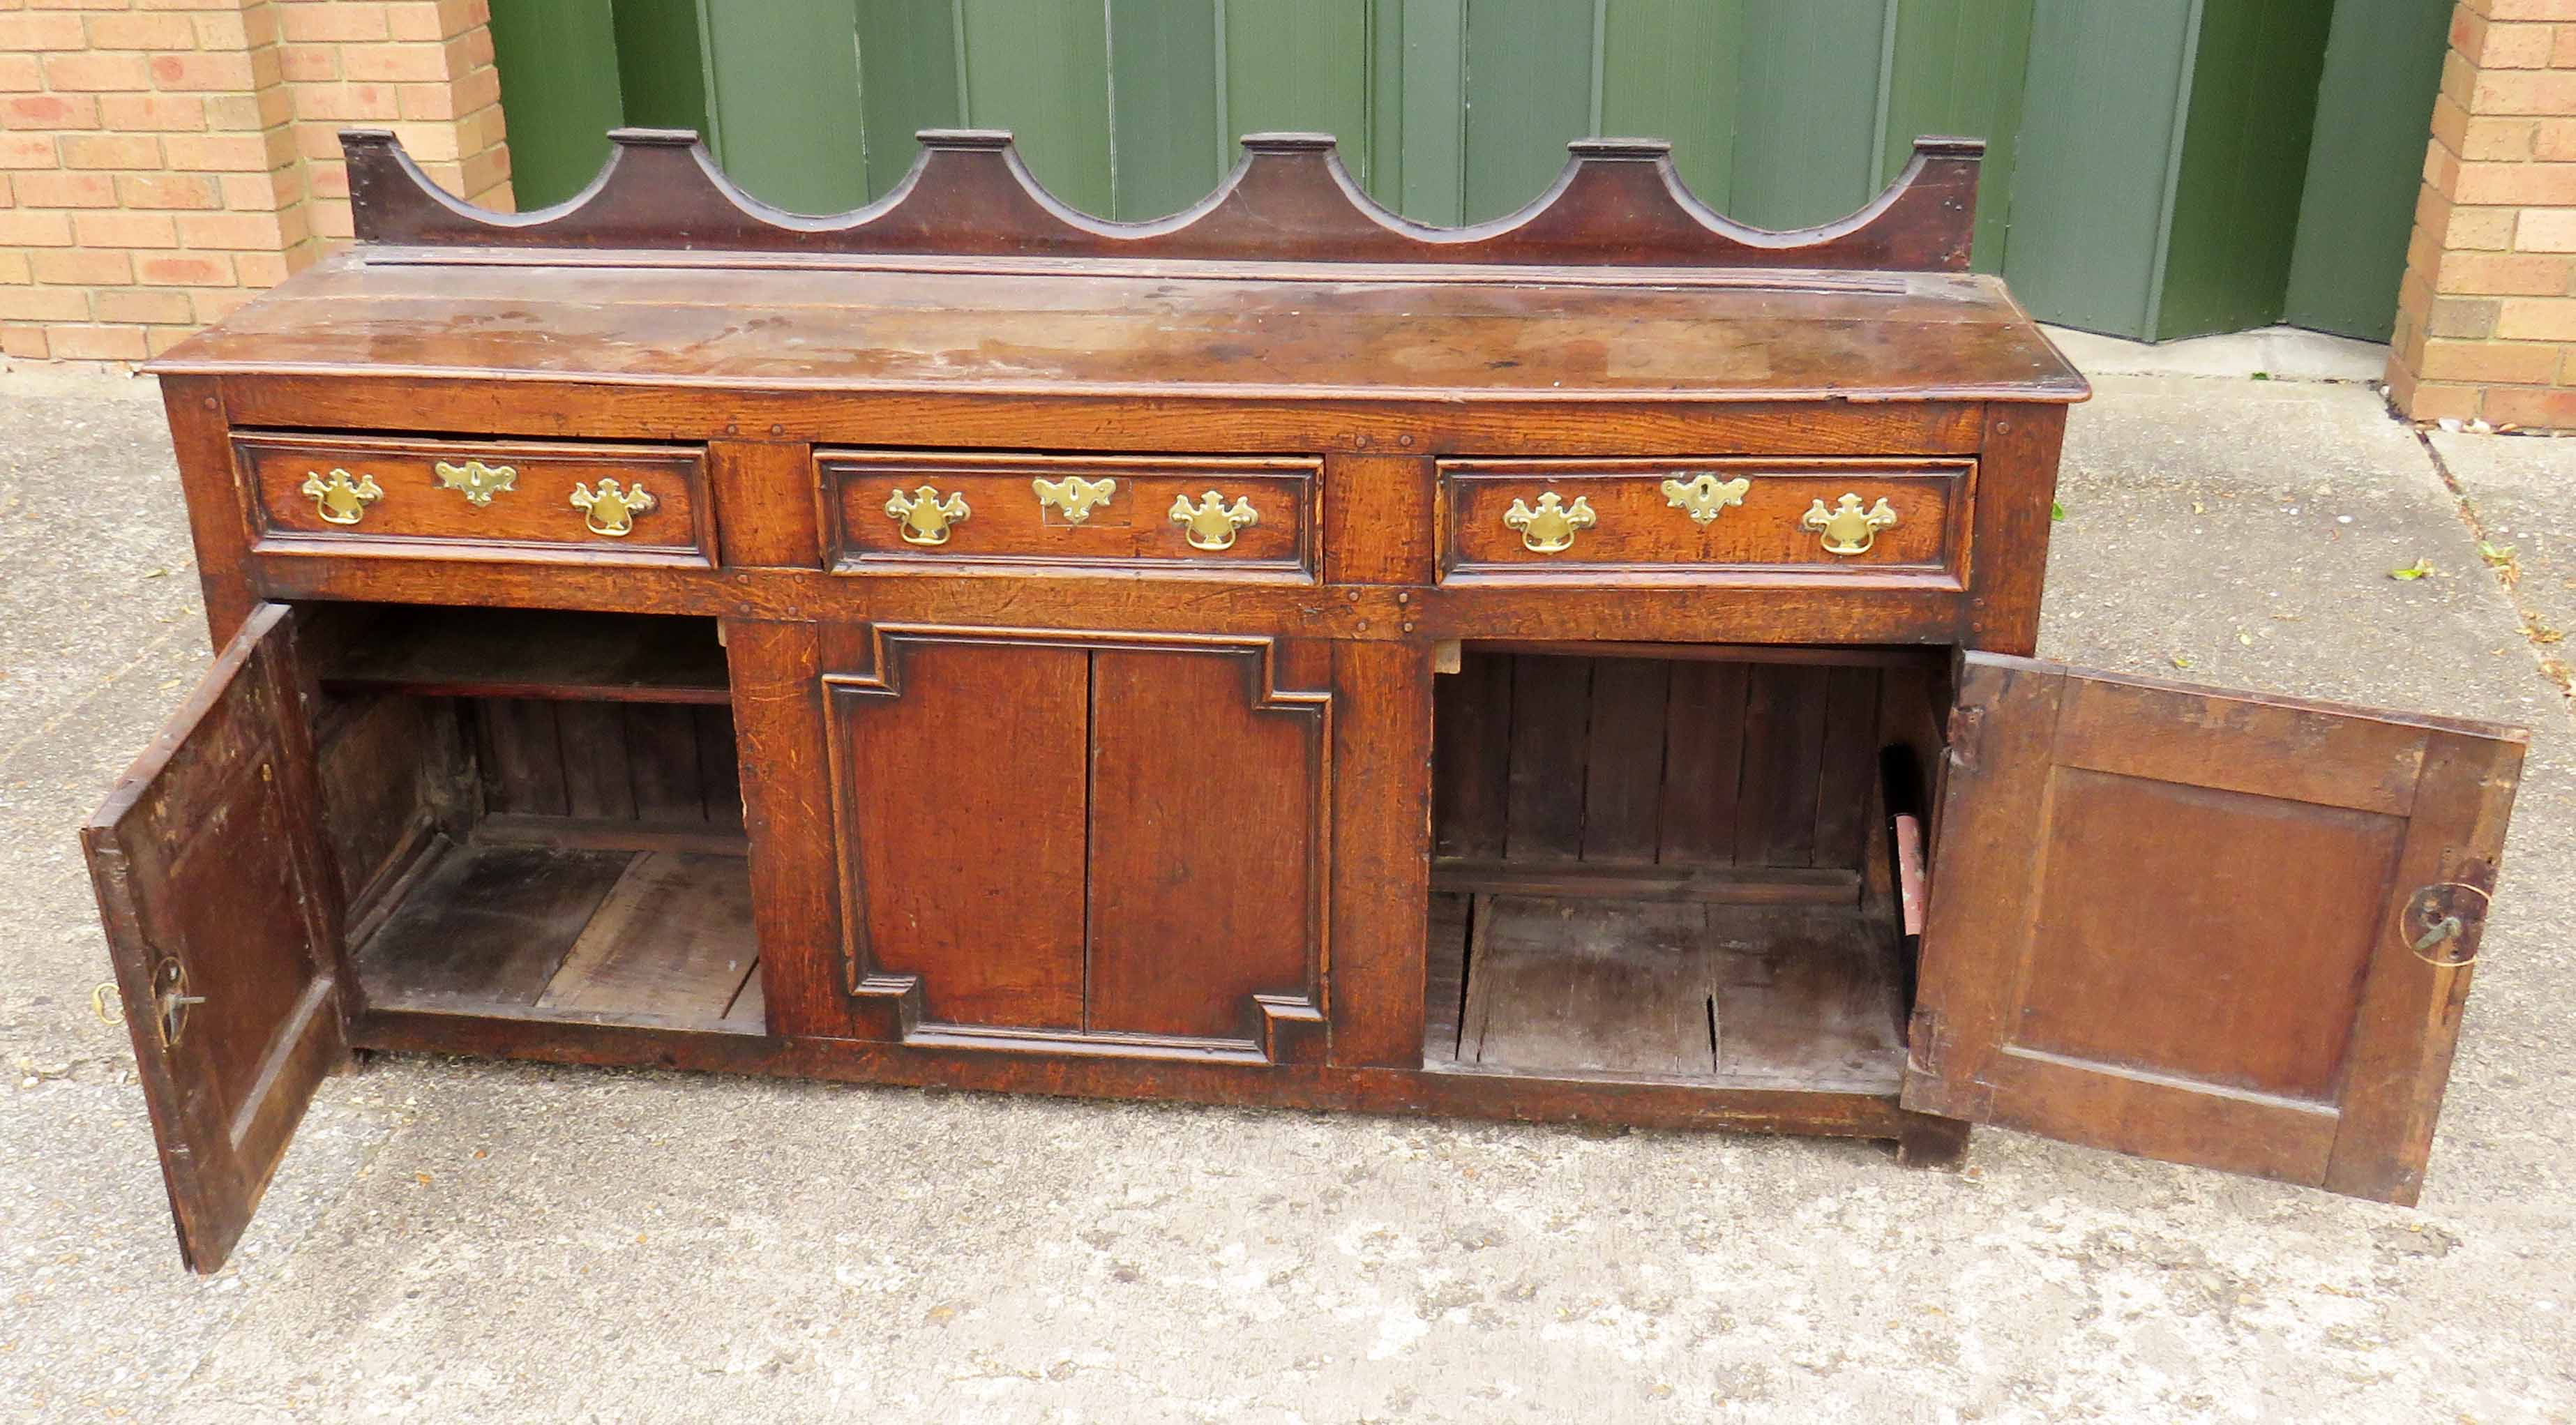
pixel 611 511
pixel 1211 523
pixel 341 498
pixel 922 517
pixel 1073 495
pixel 479 482
pixel 1704 495
pixel 1550 528
pixel 1847 528
pixel 171 1000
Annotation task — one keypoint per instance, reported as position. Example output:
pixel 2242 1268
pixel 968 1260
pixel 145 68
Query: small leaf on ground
pixel 2056 511
pixel 2416 570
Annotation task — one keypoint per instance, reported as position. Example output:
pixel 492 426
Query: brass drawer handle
pixel 1847 528
pixel 478 481
pixel 611 511
pixel 1074 495
pixel 1704 495
pixel 1211 523
pixel 341 498
pixel 1550 528
pixel 922 517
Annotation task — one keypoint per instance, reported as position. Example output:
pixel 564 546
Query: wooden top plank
pixel 1001 325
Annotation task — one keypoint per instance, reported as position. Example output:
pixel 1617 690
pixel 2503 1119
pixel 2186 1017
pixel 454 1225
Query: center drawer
pixel 1231 517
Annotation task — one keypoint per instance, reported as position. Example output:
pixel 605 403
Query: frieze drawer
pixel 590 504
pixel 1228 517
pixel 1697 519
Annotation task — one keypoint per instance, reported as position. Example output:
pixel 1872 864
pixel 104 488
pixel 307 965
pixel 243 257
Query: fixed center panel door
pixel 1084 842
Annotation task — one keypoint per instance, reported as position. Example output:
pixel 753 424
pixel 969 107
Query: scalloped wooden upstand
pixel 1569 668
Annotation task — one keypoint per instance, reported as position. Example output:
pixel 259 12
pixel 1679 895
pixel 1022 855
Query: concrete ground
pixel 457 1241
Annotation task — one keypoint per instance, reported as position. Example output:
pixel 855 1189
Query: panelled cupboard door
pixel 211 881
pixel 2203 926
pixel 1098 843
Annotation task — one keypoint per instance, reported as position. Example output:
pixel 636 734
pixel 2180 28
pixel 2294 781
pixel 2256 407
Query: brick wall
pixel 2486 321
pixel 163 160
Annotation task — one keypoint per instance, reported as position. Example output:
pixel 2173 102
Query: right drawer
pixel 1691 519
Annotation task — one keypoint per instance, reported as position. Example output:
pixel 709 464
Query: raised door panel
pixel 1206 808
pixel 2208 927
pixel 222 911
pixel 961 788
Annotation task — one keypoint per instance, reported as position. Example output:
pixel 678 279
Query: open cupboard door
pixel 220 920
pixel 2203 926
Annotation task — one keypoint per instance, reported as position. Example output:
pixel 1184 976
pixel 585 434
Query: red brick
pixel 396 63
pixel 2504 274
pixel 2537 319
pixel 145 305
pixel 242 232
pixel 23 227
pixel 25 343
pixel 44 304
pixel 2562 55
pixel 341 103
pixel 125 230
pixel 2492 139
pixel 111 151
pixel 309 64
pixel 2512 362
pixel 173 190
pixel 230 72
pixel 2542 408
pixel 332 21
pixel 223 153
pixel 66 190
pixel 2520 91
pixel 157 113
pixel 2531 185
pixel 216 303
pixel 14 268
pixel 41 32
pixel 94 71
pixel 49 111
pixel 29 151
pixel 233 30
pixel 20 74
pixel 258 192
pixel 2547 230
pixel 2513 46
pixel 259 269
pixel 194 269
pixel 91 343
pixel 82 266
pixel 141 32
pixel 2499 10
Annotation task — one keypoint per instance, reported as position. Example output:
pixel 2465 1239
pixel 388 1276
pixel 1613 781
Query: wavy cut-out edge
pixel 1616 203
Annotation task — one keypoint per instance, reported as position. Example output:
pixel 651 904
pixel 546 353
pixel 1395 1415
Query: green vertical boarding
pixel 2099 123
pixel 661 74
pixel 1669 71
pixel 1529 77
pixel 1806 130
pixel 907 83
pixel 1042 71
pixel 2235 212
pixel 1960 67
pixel 1163 92
pixel 559 99
pixel 783 87
pixel 1433 187
pixel 1300 66
pixel 2383 65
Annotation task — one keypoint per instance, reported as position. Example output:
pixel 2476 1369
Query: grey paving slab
pixel 475 1242
pixel 2523 489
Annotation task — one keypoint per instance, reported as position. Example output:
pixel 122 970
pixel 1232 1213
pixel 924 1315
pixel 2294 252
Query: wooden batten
pixel 1619 203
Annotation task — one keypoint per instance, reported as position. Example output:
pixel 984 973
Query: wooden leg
pixel 1929 1142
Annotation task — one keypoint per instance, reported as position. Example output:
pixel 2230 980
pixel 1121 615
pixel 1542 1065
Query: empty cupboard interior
pixel 1669 863
pixel 535 815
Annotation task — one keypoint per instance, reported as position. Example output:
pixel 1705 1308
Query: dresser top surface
pixel 1001 326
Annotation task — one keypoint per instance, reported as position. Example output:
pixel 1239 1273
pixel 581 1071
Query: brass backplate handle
pixel 2441 923
pixel 1211 524
pixel 611 510
pixel 1550 528
pixel 479 482
pixel 171 1001
pixel 923 517
pixel 1074 496
pixel 1847 528
pixel 340 497
pixel 1704 495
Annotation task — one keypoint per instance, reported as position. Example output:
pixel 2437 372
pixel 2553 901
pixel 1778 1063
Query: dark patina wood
pixel 1319 763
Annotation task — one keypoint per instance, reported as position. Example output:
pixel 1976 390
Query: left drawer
pixel 437 499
